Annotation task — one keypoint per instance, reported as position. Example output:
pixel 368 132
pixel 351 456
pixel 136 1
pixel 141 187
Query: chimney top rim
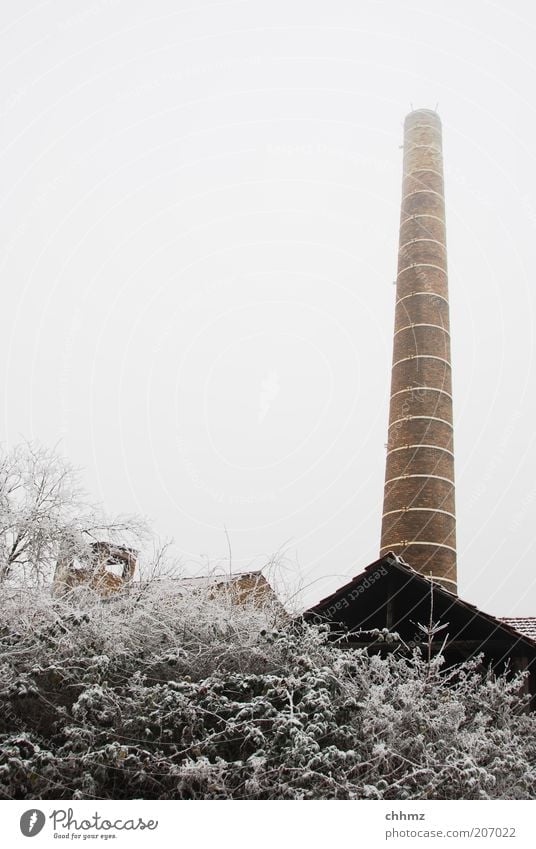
pixel 423 111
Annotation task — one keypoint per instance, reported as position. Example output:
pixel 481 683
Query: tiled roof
pixel 525 625
pixel 218 577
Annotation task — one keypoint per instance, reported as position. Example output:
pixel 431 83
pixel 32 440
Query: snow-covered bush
pixel 175 691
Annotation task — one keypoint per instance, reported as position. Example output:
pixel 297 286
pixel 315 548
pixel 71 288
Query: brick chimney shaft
pixel 419 520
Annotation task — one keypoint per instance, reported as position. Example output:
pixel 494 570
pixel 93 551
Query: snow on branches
pixel 171 690
pixel 45 515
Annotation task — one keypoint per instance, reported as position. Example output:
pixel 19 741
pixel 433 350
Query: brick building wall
pixel 418 520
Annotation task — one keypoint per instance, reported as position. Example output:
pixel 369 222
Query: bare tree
pixel 44 512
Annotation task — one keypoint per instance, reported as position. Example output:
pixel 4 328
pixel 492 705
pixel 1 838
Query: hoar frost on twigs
pixel 44 512
pixel 184 694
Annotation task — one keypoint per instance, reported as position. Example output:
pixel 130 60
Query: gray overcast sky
pixel 200 209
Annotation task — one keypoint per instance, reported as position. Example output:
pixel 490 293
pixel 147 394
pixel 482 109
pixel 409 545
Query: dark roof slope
pixel 389 593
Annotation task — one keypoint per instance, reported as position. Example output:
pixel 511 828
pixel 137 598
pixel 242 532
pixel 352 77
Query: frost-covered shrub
pixel 162 693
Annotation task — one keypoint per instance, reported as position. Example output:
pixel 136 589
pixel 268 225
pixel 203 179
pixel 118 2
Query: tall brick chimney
pixel 419 520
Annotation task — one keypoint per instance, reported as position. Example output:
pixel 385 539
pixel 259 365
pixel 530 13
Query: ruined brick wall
pixel 418 520
pixel 96 573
